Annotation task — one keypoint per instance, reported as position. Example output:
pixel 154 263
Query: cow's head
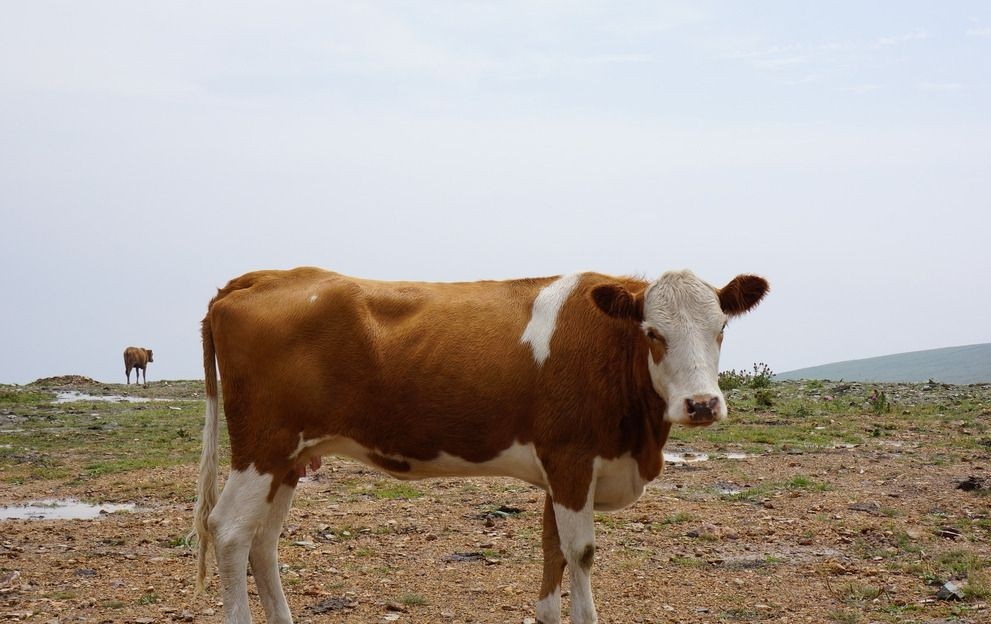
pixel 148 351
pixel 683 319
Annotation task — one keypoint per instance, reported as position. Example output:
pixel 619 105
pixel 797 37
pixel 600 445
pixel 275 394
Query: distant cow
pixel 139 358
pixel 570 383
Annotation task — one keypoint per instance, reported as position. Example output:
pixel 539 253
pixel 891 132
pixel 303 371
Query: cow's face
pixel 148 351
pixel 683 319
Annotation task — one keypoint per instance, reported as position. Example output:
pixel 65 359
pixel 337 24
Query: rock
pixel 950 591
pixel 971 484
pixel 461 557
pixel 871 507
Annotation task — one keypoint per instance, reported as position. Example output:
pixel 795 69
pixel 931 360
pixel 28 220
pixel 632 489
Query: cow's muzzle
pixel 702 411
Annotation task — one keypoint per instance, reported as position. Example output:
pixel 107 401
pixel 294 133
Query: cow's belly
pixel 519 461
pixel 618 483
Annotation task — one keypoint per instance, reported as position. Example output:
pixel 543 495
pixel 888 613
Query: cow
pixel 570 383
pixel 137 358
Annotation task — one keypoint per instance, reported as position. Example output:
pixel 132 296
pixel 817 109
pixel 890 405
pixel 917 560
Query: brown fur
pixel 137 358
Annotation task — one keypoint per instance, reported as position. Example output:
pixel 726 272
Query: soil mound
pixel 64 380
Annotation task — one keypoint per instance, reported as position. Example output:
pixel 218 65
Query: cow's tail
pixel 207 486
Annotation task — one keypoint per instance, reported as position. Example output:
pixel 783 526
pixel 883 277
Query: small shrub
pixel 764 398
pixel 879 402
pixel 413 600
pixel 731 380
pixel 760 378
pixel 762 375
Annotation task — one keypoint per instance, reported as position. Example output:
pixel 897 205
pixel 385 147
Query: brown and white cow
pixel 570 383
pixel 137 358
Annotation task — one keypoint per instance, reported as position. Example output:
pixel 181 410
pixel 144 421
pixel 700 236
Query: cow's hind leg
pixel 242 508
pixel 549 602
pixel 264 557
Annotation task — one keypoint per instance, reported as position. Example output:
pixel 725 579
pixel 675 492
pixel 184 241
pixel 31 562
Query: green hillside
pixel 957 365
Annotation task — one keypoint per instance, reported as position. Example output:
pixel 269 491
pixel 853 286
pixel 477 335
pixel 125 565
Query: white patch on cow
pixel 618 483
pixel 576 530
pixel 518 460
pixel 548 608
pixel 313 298
pixel 543 316
pixel 685 311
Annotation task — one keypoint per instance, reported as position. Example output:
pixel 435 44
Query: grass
pixel 413 600
pixel 395 490
pixel 765 490
pixel 857 591
pixel 89 439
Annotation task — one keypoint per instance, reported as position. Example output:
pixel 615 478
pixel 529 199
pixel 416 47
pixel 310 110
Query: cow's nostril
pixel 702 410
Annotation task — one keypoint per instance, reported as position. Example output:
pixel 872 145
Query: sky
pixel 151 151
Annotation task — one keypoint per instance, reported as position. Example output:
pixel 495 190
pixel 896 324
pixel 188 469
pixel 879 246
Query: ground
pixel 819 502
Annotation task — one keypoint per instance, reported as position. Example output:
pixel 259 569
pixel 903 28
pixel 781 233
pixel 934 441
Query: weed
pixel 413 600
pixel 844 617
pixel 760 378
pixel 762 375
pixel 878 401
pixel 764 398
pixel 677 518
pixel 855 591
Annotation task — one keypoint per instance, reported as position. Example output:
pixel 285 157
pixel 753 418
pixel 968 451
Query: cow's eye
pixel 653 335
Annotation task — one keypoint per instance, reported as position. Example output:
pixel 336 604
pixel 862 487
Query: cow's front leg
pixel 549 601
pixel 572 487
pixel 576 530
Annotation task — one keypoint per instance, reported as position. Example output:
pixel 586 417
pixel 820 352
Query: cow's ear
pixel 742 293
pixel 618 302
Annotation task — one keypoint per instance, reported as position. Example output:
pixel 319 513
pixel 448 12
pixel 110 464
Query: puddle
pixel 727 489
pixel 688 457
pixel 735 455
pixel 691 457
pixel 65 509
pixel 71 396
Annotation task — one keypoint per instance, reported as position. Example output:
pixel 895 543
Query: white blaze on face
pixel 682 314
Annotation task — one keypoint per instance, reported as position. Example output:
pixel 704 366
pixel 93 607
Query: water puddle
pixel 687 457
pixel 727 489
pixel 71 396
pixel 691 457
pixel 735 455
pixel 64 509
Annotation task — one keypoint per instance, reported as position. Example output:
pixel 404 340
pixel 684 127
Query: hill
pixel 957 365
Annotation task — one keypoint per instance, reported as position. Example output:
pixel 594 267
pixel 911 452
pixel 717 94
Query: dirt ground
pixel 858 532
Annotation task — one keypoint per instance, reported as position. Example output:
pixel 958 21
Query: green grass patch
pixel 18 397
pixel 81 440
pixel 413 600
pixel 395 490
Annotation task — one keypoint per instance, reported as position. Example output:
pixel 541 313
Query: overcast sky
pixel 151 151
